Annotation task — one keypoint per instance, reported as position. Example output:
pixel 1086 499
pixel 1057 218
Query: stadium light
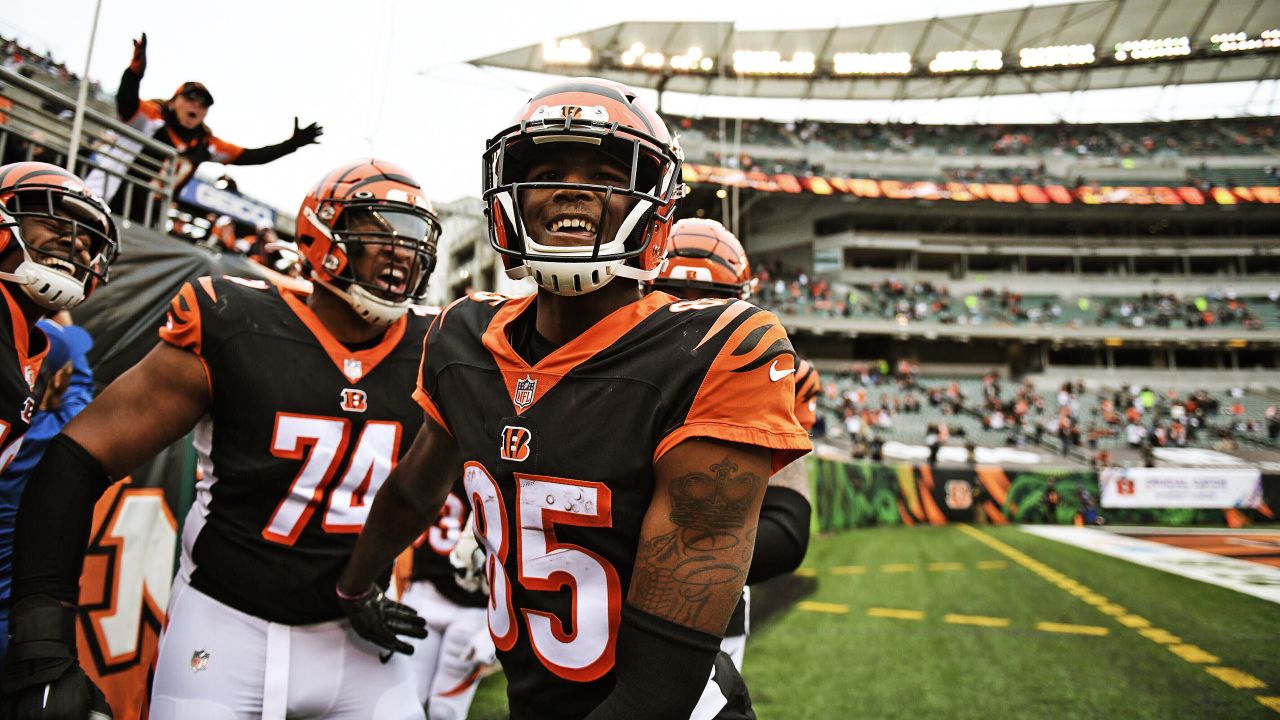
pixel 1152 48
pixel 770 62
pixel 887 63
pixel 692 60
pixel 966 61
pixel 565 52
pixel 1056 56
pixel 1236 42
pixel 637 54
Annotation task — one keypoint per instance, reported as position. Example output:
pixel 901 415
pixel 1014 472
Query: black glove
pixel 139 62
pixel 42 679
pixel 305 136
pixel 378 619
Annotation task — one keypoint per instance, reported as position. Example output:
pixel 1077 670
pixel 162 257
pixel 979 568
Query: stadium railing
pixel 144 168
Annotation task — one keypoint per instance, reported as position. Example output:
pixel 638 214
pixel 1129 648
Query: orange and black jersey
pixel 431 551
pixel 808 385
pixel 559 460
pixel 300 434
pixel 22 353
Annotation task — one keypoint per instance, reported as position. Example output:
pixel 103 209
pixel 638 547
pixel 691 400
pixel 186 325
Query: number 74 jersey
pixel 301 432
pixel 559 460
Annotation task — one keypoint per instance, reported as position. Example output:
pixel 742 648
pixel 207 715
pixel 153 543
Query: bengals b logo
pixel 354 400
pixel 515 443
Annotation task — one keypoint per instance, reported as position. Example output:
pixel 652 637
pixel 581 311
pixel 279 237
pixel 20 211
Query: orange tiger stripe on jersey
pixel 748 395
pixel 725 318
pixel 182 325
pixel 807 387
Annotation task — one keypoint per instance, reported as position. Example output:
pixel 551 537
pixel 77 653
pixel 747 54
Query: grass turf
pixel 809 664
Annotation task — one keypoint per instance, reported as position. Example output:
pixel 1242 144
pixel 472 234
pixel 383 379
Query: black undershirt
pixel 523 335
pixel 365 344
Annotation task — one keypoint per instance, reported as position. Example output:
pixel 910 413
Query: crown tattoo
pixel 721 502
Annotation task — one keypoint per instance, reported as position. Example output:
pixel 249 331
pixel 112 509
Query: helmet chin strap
pixel 47 287
pixel 369 307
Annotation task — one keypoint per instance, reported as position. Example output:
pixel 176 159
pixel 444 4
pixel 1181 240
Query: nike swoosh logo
pixel 385 658
pixel 775 375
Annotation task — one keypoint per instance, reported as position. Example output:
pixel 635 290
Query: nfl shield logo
pixel 524 392
pixel 199 660
pixel 352 368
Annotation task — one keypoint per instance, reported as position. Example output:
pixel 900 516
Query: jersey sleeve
pixel 186 324
pixel 433 361
pixel 808 385
pixel 747 395
pixel 221 151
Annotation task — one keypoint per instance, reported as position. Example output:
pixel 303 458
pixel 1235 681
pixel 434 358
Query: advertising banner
pixel 226 202
pixel 1181 488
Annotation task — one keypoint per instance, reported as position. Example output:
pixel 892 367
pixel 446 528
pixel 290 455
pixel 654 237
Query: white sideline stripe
pixel 1260 581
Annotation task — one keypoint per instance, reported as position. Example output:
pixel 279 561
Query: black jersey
pixel 431 551
pixel 559 460
pixel 301 432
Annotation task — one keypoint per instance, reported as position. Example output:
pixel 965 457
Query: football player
pixel 447 587
pixel 300 409
pixel 705 260
pixel 57 242
pixel 614 447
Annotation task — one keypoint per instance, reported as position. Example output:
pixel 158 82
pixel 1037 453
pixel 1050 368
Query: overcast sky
pixel 388 77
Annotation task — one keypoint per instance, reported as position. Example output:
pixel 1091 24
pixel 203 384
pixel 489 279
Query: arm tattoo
pixel 679 574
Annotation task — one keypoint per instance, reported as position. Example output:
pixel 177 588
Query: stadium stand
pixel 1206 153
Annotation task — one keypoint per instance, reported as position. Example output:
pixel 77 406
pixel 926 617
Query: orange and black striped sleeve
pixel 808 386
pixel 747 394
pixel 183 325
pixel 431 365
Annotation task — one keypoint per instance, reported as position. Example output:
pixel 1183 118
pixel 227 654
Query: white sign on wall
pixel 1213 488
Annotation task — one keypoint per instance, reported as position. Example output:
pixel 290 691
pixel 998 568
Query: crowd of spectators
pixel 1113 144
pixel 1219 136
pixel 872 403
pixel 907 301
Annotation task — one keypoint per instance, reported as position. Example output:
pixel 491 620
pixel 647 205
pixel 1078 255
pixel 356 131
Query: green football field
pixel 982 622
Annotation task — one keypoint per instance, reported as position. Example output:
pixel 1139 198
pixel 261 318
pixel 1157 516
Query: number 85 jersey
pixel 301 431
pixel 559 460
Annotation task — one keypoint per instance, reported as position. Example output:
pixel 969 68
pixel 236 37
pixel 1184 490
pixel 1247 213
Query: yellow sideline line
pixel 1190 653
pixel 823 607
pixel 1065 628
pixel 898 567
pixel 895 613
pixel 979 620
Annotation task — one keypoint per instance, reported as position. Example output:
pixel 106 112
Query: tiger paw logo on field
pixel 525 390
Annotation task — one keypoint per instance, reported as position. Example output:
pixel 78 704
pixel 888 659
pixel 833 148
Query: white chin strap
pixel 369 307
pixel 49 288
pixel 571 278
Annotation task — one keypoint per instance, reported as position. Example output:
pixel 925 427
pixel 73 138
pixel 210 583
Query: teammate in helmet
pixel 300 410
pixel 614 447
pixel 57 242
pixel 705 260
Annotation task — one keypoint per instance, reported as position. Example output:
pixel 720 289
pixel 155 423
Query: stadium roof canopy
pixel 1134 43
